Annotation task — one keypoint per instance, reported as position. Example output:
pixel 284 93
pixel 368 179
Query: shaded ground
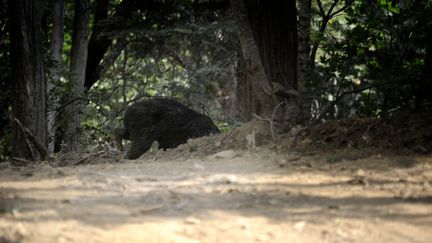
pixel 236 187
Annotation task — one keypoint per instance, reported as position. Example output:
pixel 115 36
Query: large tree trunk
pixel 56 49
pixel 253 67
pixel 77 78
pixel 274 26
pixel 274 32
pixel 29 129
pixel 5 85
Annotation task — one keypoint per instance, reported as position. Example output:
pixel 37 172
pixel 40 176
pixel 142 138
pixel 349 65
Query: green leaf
pixel 387 4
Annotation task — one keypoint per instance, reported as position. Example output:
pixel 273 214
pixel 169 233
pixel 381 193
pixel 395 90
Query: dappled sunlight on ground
pixel 252 196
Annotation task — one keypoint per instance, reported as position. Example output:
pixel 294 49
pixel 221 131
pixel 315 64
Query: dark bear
pixel 168 122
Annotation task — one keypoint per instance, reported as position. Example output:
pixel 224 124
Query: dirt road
pixel 232 197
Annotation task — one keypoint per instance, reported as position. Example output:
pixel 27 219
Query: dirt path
pixel 238 197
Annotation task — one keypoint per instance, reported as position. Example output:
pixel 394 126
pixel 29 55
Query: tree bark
pixel 77 78
pixel 304 25
pixel 56 49
pixel 261 87
pixel 427 78
pixel 244 93
pixel 273 26
pixel 29 83
pixel 304 70
pixel 98 44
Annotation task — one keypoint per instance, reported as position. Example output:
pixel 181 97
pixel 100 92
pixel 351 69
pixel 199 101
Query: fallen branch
pixel 82 160
pixel 43 151
pixel 21 161
pixel 23 130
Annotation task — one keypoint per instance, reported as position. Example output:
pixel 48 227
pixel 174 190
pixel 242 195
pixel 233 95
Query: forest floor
pixel 234 187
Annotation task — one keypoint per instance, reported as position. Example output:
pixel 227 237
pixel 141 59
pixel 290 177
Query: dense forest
pixel 69 69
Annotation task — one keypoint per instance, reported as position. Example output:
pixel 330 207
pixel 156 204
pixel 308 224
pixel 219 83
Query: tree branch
pixel 347 4
pixel 337 99
pixel 335 2
pixel 321 9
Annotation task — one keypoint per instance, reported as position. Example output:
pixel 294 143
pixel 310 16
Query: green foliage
pixel 370 61
pixel 192 62
pixel 377 48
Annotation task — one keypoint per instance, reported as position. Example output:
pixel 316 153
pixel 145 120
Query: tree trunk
pixel 424 88
pixel 244 93
pixel 261 87
pixel 56 49
pixel 77 78
pixel 423 96
pixel 304 25
pixel 304 71
pixel 29 83
pixel 98 44
pixel 274 26
pixel 274 31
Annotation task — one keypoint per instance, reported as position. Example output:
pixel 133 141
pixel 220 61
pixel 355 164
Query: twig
pixel 335 2
pixel 270 120
pixel 156 154
pixel 70 102
pixel 325 18
pixel 347 4
pixel 368 128
pixel 275 109
pixel 322 12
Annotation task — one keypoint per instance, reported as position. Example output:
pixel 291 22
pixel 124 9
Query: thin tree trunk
pixel 244 92
pixel 325 18
pixel 77 78
pixel 56 49
pixel 427 74
pixel 304 25
pixel 99 42
pixel 110 58
pixel 304 70
pixel 254 69
pixel 29 83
